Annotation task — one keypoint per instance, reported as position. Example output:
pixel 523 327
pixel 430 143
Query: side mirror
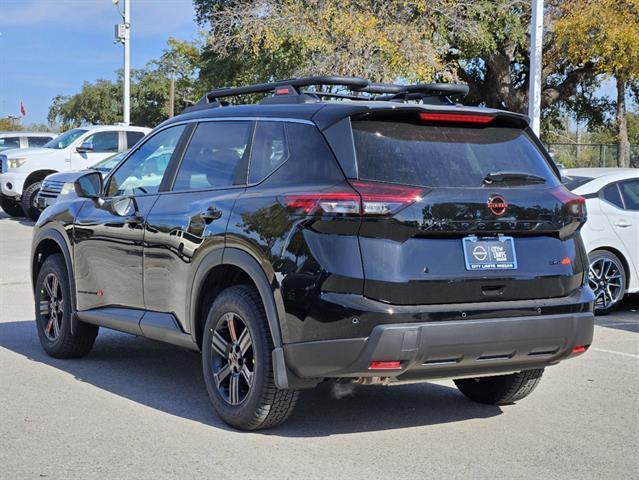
pixel 89 185
pixel 85 147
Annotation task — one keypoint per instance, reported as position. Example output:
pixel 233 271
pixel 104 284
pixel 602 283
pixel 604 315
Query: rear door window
pixel 269 150
pixel 10 142
pixel 37 141
pixel 216 156
pixel 611 195
pixel 630 192
pixel 133 137
pixel 444 155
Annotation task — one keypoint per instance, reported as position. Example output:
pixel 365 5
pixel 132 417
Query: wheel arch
pixel 46 243
pixel 231 266
pixel 35 177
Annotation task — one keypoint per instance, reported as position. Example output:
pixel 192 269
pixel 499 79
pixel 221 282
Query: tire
pixel 607 278
pixel 53 320
pixel 29 196
pixel 236 313
pixel 500 390
pixel 11 207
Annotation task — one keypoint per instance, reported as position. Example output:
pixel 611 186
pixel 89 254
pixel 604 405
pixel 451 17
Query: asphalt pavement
pixel 134 408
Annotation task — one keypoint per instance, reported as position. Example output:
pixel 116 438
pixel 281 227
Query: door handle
pixel 210 214
pixel 622 224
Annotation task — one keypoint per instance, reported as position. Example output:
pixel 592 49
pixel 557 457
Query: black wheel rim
pixel 232 358
pixel 51 307
pixel 606 281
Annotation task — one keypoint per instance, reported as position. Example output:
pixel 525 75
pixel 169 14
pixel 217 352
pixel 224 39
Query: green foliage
pixel 9 124
pixel 101 102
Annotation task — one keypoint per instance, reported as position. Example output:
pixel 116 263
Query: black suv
pixel 383 235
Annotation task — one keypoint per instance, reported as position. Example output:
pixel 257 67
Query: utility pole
pixel 534 87
pixel 126 101
pixel 123 35
pixel 172 92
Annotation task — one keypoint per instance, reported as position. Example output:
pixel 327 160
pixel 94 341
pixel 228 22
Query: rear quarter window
pixel 444 155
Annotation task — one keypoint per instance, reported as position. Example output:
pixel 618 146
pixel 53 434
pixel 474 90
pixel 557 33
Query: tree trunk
pixel 623 145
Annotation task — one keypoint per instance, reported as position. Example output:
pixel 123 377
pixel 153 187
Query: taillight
pixel 574 204
pixel 368 198
pixel 384 198
pixel 456 118
pixel 347 203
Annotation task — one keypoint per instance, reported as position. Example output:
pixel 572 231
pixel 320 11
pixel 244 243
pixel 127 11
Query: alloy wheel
pixel 51 306
pixel 605 278
pixel 232 358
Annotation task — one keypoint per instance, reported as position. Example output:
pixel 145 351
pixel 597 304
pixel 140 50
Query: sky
pixel 51 47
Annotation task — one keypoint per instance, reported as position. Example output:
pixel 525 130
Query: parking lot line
pixel 631 355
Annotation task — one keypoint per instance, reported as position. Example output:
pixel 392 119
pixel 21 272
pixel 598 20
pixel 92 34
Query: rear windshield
pixel 442 155
pixel 574 182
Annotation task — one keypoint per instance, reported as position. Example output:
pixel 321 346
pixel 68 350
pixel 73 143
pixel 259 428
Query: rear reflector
pixel 580 348
pixel 456 118
pixel 367 198
pixel 385 365
pixel 565 261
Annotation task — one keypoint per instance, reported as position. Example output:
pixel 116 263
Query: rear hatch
pixel 462 208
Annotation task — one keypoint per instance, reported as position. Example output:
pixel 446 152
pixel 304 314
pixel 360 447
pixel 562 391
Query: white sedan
pixel 611 234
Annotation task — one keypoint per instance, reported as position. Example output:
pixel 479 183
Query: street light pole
pixel 127 63
pixel 534 87
pixel 172 92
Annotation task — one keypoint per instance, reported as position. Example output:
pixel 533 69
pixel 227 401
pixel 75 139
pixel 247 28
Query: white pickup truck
pixel 22 171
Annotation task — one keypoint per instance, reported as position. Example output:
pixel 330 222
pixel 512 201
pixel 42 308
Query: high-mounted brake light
pixel 456 118
pixel 575 204
pixel 367 198
pixel 282 91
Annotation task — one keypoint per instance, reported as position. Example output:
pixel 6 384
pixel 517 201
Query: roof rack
pixel 290 91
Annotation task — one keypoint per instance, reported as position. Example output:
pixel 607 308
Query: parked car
pixel 367 239
pixel 611 234
pixel 60 186
pixel 22 171
pixel 10 140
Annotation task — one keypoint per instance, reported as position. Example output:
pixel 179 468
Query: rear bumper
pixel 446 349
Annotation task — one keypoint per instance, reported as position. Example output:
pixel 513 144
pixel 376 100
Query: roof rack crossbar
pixel 289 87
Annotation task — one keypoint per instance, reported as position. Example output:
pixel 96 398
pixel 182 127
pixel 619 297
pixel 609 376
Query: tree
pixel 10 124
pixel 378 40
pixel 605 34
pixel 481 42
pixel 101 102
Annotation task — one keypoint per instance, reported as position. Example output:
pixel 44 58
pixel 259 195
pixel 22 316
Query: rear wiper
pixel 512 177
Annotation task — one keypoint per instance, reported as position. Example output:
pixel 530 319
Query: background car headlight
pixel 67 188
pixel 15 162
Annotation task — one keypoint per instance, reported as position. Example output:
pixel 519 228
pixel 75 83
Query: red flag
pixel 23 111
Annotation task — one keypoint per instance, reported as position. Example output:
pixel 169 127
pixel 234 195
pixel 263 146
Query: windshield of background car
pixel 108 163
pixel 66 139
pixel 444 155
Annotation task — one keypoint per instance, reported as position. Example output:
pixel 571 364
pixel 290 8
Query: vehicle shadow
pixel 20 220
pixel 169 379
pixel 626 317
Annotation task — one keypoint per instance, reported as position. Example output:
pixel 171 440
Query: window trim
pixel 188 122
